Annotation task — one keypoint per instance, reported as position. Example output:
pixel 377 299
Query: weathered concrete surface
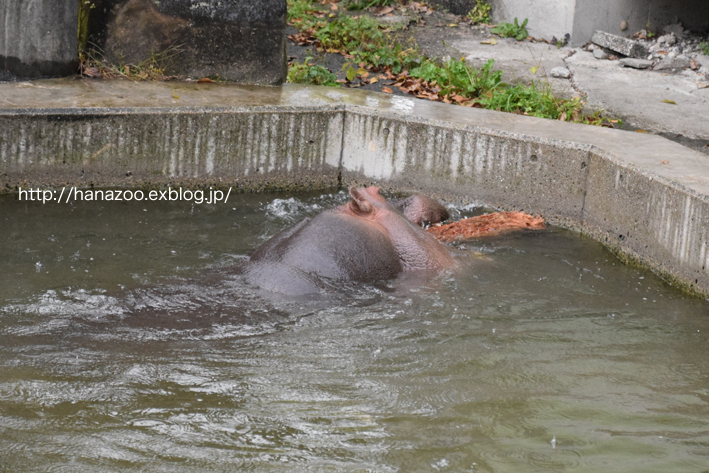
pixel 38 38
pixel 237 40
pixel 638 96
pixel 642 195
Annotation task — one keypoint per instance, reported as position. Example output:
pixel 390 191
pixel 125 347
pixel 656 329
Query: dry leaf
pixel 491 41
pixel 381 11
pixel 204 79
pixel 374 80
pixel 640 131
pixel 665 162
pixel 175 96
pixel 670 101
pixel 387 90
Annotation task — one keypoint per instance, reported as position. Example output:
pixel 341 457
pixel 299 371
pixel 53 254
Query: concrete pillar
pixel 38 38
pixel 236 40
pixel 581 18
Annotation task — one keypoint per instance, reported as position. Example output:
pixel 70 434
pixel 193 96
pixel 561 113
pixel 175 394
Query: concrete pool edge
pixel 642 196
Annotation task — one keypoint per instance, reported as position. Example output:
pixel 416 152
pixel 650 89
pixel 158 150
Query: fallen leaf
pixel 204 79
pixel 670 101
pixel 453 25
pixel 175 96
pixel 533 69
pixel 640 131
pixel 387 90
pixel 374 80
pixel 491 41
pixel 381 11
pixel 694 66
pixel 665 162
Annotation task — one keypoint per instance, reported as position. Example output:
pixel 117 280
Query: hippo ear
pixel 358 202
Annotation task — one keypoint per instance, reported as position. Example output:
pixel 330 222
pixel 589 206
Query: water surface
pixel 128 344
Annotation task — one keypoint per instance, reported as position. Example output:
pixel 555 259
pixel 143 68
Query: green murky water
pixel 127 344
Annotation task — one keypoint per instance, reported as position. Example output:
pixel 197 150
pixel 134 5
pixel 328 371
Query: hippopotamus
pixel 365 240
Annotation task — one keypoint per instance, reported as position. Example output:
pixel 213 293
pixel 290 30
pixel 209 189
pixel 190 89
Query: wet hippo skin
pixel 365 240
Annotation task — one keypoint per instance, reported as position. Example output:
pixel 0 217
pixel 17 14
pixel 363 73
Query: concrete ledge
pixel 645 197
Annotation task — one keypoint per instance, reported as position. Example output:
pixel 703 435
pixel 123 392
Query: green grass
pixel 365 4
pixel 304 73
pixel 366 42
pixel 456 77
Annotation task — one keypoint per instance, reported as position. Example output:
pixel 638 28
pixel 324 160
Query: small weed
pixel 304 14
pixel 535 100
pixel 480 13
pixel 304 73
pixel 457 78
pixel 93 64
pixel 510 30
pixel 365 4
pixel 704 47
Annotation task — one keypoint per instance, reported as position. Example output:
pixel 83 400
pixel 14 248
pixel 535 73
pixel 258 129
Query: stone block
pixel 39 38
pixel 624 46
pixel 236 40
pixel 636 63
pixel 675 64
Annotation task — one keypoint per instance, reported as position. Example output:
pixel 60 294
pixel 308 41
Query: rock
pixel 702 60
pixel 38 38
pixel 636 63
pixel 623 25
pixel 668 39
pixel 626 47
pixel 673 64
pixel 600 54
pixel 238 40
pixel 561 73
pixel 675 29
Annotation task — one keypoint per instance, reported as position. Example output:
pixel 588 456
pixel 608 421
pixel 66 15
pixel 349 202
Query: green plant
pixel 704 47
pixel 365 4
pixel 480 13
pixel 456 77
pixel 509 30
pixel 304 73
pixel 533 100
pixel 303 14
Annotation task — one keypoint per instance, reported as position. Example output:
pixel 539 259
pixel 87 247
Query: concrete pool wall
pixel 643 196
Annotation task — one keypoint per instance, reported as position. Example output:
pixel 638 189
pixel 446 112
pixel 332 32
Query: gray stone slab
pixel 643 196
pixel 38 38
pixel 624 46
pixel 237 40
pixel 638 96
pixel 636 63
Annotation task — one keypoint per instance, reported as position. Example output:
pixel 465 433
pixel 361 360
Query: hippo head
pixel 416 249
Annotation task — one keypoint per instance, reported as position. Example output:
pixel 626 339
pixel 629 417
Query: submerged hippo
pixel 366 240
